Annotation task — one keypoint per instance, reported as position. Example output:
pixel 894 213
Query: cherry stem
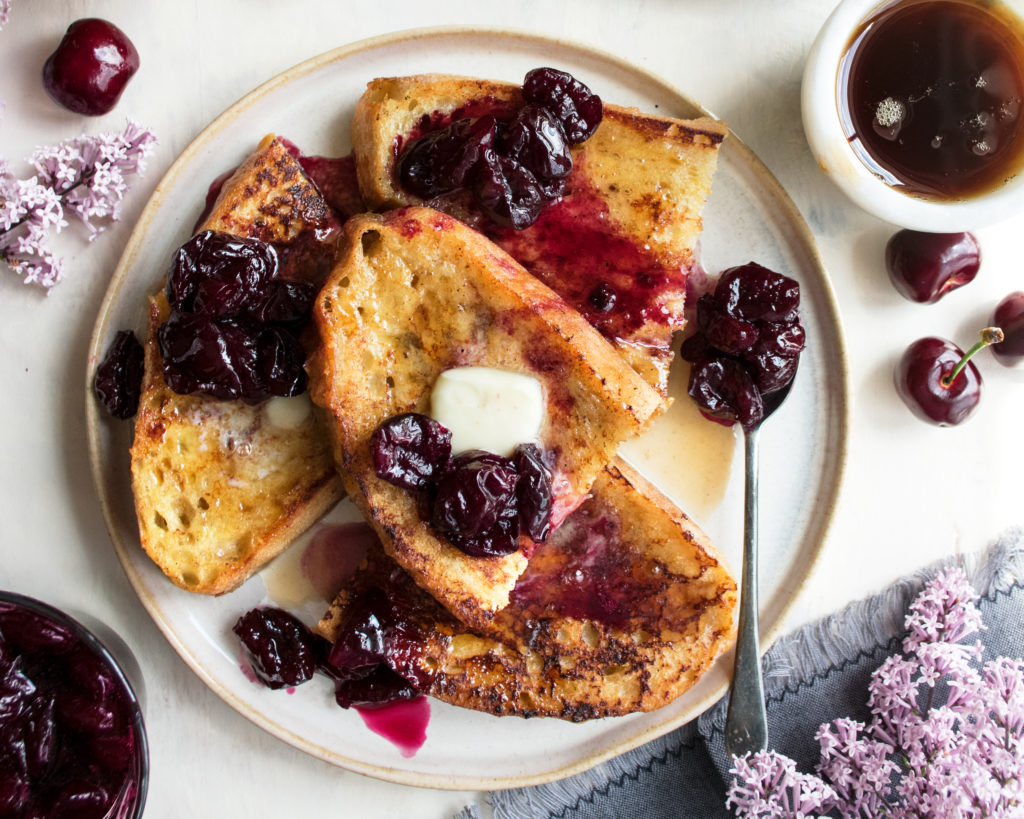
pixel 990 335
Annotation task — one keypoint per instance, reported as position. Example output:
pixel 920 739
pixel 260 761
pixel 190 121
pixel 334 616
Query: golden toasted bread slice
pixel 618 246
pixel 621 610
pixel 416 293
pixel 222 487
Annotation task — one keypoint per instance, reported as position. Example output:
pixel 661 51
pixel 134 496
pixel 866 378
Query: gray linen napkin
pixel 812 676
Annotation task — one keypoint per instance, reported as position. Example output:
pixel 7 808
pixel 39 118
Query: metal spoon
pixel 746 724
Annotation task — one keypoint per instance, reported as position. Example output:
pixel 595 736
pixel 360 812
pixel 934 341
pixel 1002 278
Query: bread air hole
pixel 159 521
pixel 190 579
pixel 371 242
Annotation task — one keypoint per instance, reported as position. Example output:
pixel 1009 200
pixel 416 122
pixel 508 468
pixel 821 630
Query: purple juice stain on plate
pixel 401 722
pixel 334 554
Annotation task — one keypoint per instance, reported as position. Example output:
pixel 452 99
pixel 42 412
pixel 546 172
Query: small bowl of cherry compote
pixel 72 738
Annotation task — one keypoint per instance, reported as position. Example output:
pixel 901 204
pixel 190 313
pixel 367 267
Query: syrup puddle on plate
pixel 685 451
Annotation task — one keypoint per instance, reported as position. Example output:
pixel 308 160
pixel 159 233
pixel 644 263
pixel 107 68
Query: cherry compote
pixel 91 66
pixel 479 501
pixel 233 329
pixel 747 345
pixel 511 167
pixel 283 652
pixel 72 741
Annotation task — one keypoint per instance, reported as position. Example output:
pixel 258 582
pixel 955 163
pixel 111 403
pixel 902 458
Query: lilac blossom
pixel 5 12
pixel 84 177
pixel 946 738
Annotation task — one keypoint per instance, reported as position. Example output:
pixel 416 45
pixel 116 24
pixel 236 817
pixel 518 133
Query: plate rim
pixel 94 421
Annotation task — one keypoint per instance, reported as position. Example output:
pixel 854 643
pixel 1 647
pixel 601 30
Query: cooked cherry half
pixel 938 381
pixel 1009 317
pixel 577 108
pixel 90 67
pixel 281 650
pixel 924 267
pixel 410 450
pixel 476 490
pixel 118 380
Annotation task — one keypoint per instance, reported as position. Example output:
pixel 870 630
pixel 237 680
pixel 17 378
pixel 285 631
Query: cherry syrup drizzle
pixel 401 722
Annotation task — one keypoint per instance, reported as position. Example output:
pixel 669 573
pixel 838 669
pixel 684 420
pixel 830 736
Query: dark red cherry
pixel 442 160
pixel 1009 317
pixel 723 388
pixel 475 491
pixel 752 291
pixel 924 267
pixel 90 67
pixel 281 649
pixel 574 105
pixel 938 382
pixel 118 381
pixel 507 192
pixel 410 450
pixel 533 492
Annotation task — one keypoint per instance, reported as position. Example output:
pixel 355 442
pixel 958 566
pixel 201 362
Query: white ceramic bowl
pixel 837 159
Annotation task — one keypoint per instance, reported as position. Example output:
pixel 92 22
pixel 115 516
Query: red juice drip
pixel 211 197
pixel 334 554
pixel 435 121
pixel 335 178
pixel 575 249
pixel 583 572
pixel 402 722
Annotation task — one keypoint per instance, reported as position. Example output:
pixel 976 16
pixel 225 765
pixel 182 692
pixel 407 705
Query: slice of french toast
pixel 415 293
pixel 621 610
pixel 617 246
pixel 222 487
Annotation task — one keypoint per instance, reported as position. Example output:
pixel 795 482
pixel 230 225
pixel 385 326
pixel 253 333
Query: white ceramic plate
pixel 748 217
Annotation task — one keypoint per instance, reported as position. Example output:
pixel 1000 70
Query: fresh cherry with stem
pixel 938 381
pixel 746 723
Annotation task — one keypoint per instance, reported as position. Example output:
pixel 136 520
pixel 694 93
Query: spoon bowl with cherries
pixel 744 357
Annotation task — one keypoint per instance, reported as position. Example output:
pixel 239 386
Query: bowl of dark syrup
pixel 915 109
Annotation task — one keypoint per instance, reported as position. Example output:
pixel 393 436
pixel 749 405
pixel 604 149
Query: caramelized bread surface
pixel 621 610
pixel 630 219
pixel 415 293
pixel 222 487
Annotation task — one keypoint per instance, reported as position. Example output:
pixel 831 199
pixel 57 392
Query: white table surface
pixel 913 493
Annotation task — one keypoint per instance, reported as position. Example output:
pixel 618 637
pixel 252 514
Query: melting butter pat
pixel 288 413
pixel 486 408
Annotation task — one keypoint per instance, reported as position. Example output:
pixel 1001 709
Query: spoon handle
pixel 746 724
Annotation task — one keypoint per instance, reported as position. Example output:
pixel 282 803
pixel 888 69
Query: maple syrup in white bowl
pixel 915 109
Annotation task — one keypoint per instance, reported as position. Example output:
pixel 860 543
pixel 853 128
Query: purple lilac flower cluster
pixel 84 177
pixel 5 12
pixel 946 738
